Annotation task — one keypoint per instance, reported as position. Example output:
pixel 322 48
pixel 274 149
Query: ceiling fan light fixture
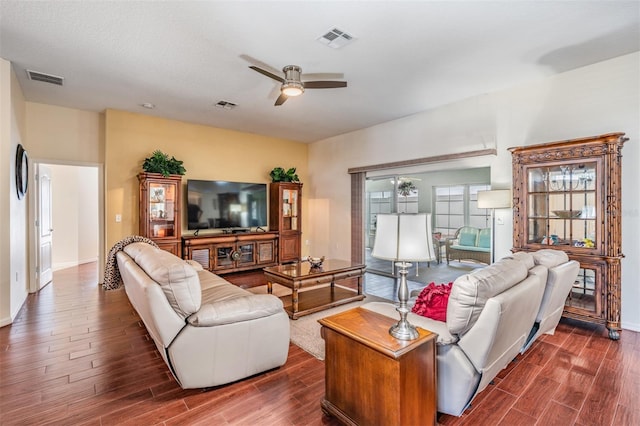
pixel 292 88
pixel 292 85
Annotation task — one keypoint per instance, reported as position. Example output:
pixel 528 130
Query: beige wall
pixel 13 212
pixel 593 100
pixel 65 135
pixel 207 153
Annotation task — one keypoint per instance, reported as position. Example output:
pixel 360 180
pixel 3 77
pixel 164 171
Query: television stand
pixel 240 231
pixel 235 252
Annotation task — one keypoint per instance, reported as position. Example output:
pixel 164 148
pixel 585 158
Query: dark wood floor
pixel 79 355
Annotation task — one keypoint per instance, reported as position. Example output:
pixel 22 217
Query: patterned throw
pixel 112 278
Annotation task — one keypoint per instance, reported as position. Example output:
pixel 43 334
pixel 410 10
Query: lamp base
pixel 403 331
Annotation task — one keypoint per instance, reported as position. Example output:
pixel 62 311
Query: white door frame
pixel 44 227
pixel 33 215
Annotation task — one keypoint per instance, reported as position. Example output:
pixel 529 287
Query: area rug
pixel 305 331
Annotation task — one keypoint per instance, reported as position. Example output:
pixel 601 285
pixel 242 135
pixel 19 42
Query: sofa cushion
pixel 178 280
pixel 470 292
pixel 467 239
pixel 471 248
pixel 550 257
pixel 234 310
pixel 484 238
pixel 524 257
pixel 216 288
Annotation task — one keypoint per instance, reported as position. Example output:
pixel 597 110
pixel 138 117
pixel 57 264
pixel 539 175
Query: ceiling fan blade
pixel 267 73
pixel 281 99
pixel 322 76
pixel 324 84
pixel 260 64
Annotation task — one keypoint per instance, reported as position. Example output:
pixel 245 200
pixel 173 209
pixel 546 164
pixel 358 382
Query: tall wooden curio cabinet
pixel 160 210
pixel 567 196
pixel 285 216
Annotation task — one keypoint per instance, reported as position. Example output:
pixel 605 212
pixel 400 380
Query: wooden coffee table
pixel 298 276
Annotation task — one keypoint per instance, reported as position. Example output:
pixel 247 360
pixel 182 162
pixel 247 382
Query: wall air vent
pixel 335 38
pixel 45 78
pixel 226 105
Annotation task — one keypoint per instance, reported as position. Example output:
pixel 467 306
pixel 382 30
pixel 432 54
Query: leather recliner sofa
pixel 491 316
pixel 208 331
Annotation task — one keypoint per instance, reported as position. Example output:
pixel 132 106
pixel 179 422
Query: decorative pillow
pixel 432 301
pixel 467 239
pixel 484 239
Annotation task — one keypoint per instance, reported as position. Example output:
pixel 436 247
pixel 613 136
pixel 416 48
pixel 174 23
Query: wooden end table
pixel 298 276
pixel 372 378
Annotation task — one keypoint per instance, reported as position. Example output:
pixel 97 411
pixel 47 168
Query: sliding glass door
pixel 380 198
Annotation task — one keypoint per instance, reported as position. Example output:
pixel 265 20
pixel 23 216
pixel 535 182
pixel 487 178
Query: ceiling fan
pixel 292 85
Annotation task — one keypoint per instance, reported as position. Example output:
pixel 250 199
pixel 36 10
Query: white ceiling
pixel 409 56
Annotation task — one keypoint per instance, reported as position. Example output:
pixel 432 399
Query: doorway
pixel 422 192
pixel 67 200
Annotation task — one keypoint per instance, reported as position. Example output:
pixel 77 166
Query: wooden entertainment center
pixel 233 251
pixel 225 253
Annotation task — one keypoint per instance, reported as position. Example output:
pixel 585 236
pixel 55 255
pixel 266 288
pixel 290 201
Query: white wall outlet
pixel 118 218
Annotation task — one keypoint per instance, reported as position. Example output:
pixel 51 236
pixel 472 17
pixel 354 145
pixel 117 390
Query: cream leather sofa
pixel 562 273
pixel 490 316
pixel 208 331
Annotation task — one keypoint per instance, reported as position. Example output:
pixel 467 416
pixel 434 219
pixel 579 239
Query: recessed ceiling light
pixel 148 105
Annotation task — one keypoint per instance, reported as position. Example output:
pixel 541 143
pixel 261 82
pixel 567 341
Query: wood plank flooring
pixel 79 355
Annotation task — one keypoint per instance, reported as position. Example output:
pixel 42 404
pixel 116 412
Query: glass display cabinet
pixel 160 210
pixel 567 196
pixel 285 214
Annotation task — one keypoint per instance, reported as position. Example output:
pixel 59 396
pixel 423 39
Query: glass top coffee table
pixel 320 284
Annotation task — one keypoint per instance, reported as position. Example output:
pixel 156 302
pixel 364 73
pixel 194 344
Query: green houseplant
pixel 278 174
pixel 406 187
pixel 159 162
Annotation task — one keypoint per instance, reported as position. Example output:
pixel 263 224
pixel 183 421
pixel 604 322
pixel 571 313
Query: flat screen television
pixel 215 204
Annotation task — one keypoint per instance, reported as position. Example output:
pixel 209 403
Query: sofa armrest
pixel 238 309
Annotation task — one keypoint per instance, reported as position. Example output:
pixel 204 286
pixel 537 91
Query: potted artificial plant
pixel 278 174
pixel 159 162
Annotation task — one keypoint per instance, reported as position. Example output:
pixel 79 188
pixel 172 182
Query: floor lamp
pixel 494 199
pixel 403 238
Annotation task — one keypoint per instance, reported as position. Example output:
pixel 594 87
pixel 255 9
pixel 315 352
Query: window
pixel 456 206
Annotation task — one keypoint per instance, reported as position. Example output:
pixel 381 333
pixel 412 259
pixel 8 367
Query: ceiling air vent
pixel 46 78
pixel 336 38
pixel 226 105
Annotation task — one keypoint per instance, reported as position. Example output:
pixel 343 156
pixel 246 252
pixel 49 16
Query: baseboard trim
pixel 630 326
pixel 64 265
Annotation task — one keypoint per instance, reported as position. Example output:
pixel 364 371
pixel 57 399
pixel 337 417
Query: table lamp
pixel 403 238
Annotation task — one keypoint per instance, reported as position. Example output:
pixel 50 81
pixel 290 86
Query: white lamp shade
pixel 403 237
pixel 494 199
